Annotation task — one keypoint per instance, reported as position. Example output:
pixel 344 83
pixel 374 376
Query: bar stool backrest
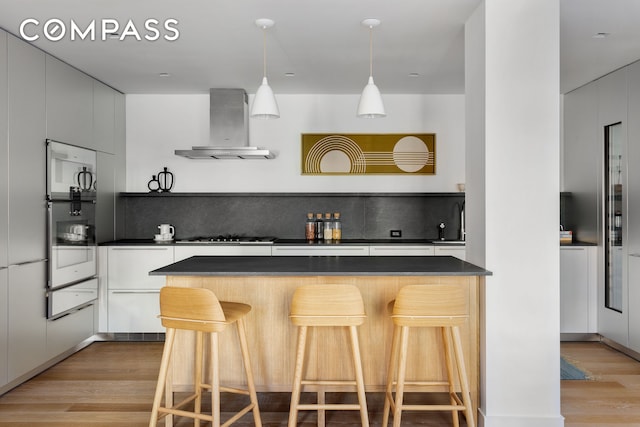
pixel 327 305
pixel 431 305
pixel 196 309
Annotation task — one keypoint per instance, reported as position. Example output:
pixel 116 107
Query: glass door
pixel 614 202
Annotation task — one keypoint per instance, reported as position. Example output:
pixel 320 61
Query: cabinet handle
pixel 139 249
pixel 572 249
pixel 636 255
pixel 136 292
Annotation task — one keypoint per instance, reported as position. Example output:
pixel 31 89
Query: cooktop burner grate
pixel 228 238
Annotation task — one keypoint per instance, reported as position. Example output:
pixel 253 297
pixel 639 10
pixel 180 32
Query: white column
pixel 512 170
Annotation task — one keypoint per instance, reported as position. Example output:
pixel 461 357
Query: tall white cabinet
pixel 633 207
pixel 614 98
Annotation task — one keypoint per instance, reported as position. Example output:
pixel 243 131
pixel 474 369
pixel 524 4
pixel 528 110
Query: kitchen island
pixel 268 283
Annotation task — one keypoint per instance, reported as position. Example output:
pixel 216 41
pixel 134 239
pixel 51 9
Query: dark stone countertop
pixel 292 242
pixel 321 266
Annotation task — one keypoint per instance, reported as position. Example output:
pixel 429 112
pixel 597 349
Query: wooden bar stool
pixel 428 306
pixel 322 306
pixel 198 309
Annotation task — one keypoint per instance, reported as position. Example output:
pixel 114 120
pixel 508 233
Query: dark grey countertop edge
pixel 177 194
pixel 321 266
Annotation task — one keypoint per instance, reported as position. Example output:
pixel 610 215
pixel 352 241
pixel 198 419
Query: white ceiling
pixel 320 41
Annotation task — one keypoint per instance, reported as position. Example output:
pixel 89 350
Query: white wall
pixel 159 124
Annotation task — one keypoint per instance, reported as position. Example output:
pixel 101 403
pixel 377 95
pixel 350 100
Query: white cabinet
pixel 26 118
pixel 69 104
pixel 184 252
pixel 66 332
pixel 328 250
pixel 633 206
pixel 401 250
pixel 120 162
pixel 451 250
pixel 578 290
pixel 27 337
pixel 4 153
pixel 105 198
pixel 4 320
pixel 103 118
pixel 133 295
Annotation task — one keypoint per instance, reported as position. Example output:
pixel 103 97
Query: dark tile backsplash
pixel 282 215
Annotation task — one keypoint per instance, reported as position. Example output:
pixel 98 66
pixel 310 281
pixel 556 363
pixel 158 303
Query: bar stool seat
pixel 326 306
pixel 428 306
pixel 199 310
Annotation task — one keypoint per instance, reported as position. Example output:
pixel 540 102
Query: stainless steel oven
pixel 71 202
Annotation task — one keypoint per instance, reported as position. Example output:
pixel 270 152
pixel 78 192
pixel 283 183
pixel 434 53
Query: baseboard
pixel 130 336
pixel 622 349
pixel 580 337
pixel 520 421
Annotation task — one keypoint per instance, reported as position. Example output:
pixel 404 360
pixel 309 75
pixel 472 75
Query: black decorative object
pixel 165 180
pixel 85 179
pixel 154 184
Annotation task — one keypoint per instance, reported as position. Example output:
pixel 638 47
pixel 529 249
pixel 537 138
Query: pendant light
pixel 264 103
pixel 371 106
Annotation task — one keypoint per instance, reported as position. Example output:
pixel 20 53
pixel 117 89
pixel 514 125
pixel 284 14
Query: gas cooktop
pixel 228 239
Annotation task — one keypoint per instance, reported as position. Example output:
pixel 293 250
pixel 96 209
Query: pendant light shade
pixel 371 105
pixel 264 103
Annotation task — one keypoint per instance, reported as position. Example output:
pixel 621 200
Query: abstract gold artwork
pixel 364 154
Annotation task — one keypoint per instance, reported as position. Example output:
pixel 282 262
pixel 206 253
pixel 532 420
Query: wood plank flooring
pixel 111 384
pixel 611 398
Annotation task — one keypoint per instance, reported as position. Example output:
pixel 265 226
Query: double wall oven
pixel 71 202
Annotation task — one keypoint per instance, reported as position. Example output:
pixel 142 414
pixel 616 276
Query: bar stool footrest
pixel 329 406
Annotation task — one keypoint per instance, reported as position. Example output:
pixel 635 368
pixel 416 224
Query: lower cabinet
pixel 3 326
pixel 298 250
pixel 133 296
pixel 27 332
pixel 578 290
pixel 453 250
pixel 66 332
pixel 401 250
pixel 134 310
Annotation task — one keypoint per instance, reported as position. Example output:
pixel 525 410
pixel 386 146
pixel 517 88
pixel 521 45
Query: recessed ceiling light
pixel 290 74
pixel 164 74
pixel 600 35
pixel 414 74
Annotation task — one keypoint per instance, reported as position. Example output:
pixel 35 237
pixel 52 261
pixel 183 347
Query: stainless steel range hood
pixel 228 129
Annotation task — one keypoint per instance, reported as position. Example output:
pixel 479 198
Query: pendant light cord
pixel 264 51
pixel 370 51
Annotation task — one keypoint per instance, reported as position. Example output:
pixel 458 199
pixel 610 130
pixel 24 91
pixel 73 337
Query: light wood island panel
pixel 272 337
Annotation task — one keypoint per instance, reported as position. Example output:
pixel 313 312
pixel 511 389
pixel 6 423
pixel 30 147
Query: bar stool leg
pixel 197 377
pixel 244 347
pixel 215 380
pixel 402 370
pixel 446 344
pixel 357 364
pixel 322 420
pixel 391 374
pixel 462 372
pixel 297 377
pixel 162 376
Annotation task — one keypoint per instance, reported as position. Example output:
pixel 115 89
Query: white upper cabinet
pixel 27 154
pixel 103 117
pixel 4 154
pixel 69 104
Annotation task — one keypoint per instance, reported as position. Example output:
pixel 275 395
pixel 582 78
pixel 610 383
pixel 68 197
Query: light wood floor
pixel 611 398
pixel 111 384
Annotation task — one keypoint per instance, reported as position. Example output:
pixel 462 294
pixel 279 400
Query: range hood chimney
pixel 228 129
